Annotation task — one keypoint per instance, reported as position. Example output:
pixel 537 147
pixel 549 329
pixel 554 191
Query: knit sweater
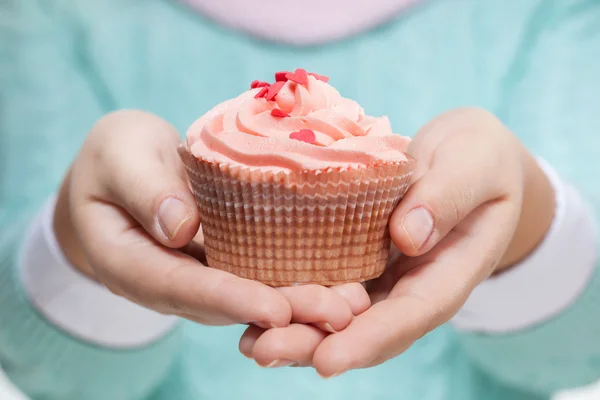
pixel 65 63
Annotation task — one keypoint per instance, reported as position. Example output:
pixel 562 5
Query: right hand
pixel 125 217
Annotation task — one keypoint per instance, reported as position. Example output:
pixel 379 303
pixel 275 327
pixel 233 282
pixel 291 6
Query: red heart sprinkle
pixel 281 76
pixel 276 112
pixel 261 93
pixel 274 89
pixel 256 84
pixel 304 135
pixel 299 76
pixel 320 77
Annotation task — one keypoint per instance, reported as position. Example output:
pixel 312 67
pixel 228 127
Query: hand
pixel 479 204
pixel 126 217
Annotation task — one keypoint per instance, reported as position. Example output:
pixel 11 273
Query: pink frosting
pixel 243 131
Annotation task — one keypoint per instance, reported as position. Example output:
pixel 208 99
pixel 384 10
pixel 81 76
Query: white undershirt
pixel 543 285
pixel 77 304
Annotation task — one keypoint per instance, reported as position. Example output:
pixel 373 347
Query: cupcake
pixel 295 184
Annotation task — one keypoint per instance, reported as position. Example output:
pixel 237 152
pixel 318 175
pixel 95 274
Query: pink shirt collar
pixel 301 22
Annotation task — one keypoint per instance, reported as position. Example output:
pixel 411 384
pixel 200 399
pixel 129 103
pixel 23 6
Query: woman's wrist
pixel 548 280
pixel 72 302
pixel 537 213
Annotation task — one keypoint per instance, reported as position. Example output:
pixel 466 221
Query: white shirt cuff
pixel 548 281
pixel 76 304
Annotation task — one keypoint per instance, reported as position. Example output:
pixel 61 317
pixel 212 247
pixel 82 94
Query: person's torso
pixel 162 57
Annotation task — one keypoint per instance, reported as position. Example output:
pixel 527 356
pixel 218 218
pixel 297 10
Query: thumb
pixel 142 173
pixel 164 207
pixel 445 194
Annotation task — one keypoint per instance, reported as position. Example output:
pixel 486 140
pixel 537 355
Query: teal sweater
pixel 65 63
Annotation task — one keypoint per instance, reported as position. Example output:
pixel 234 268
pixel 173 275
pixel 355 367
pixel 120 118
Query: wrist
pixel 537 213
pixel 549 280
pixel 72 302
pixel 65 231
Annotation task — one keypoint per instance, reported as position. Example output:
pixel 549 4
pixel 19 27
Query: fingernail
pixel 325 326
pixel 418 224
pixel 172 215
pixel 328 377
pixel 265 325
pixel 281 364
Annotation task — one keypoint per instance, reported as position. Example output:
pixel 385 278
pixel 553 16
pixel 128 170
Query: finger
pixel 379 289
pixel 355 295
pixel 428 295
pixel 318 304
pixel 451 188
pixel 132 264
pixel 195 248
pixel 248 339
pixel 139 169
pixel 386 328
pixel 293 345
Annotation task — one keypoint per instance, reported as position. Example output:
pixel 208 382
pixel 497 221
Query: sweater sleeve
pixel 49 98
pixel 548 95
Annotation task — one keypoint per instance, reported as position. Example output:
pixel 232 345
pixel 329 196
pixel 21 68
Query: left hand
pixel 478 205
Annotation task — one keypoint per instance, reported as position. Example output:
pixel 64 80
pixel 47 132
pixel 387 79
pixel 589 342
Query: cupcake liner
pixel 280 228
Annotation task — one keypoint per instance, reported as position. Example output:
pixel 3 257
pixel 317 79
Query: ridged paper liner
pixel 326 227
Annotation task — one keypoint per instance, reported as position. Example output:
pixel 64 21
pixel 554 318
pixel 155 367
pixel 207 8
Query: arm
pixel 542 331
pixel 520 325
pixel 47 103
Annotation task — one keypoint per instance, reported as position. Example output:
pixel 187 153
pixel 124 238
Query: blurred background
pixel 9 392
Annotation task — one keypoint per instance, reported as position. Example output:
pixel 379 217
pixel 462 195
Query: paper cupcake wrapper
pixel 325 227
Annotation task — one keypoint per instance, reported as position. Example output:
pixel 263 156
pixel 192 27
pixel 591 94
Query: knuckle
pixel 274 342
pixel 214 299
pixel 137 191
pixel 169 295
pixel 264 311
pixel 426 314
pixel 461 203
pixel 320 299
pixel 264 308
pixel 452 206
pixel 172 306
